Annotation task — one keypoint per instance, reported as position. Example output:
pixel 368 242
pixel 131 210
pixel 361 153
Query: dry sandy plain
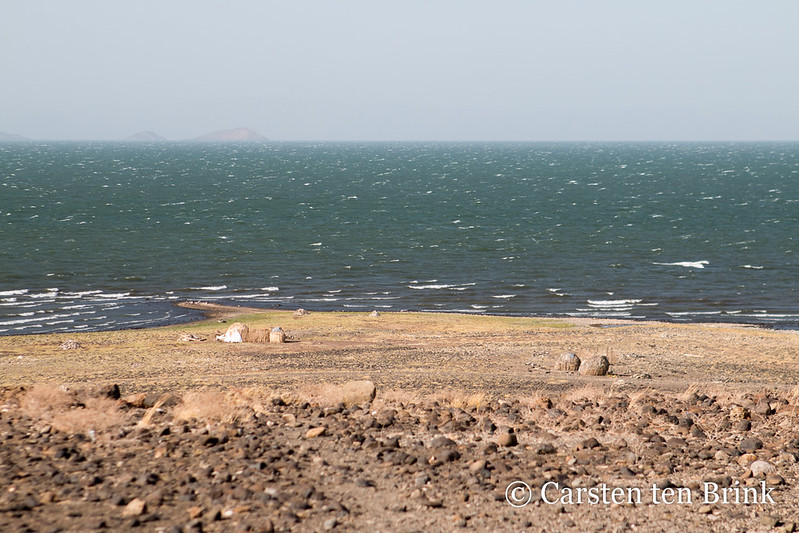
pixel 695 427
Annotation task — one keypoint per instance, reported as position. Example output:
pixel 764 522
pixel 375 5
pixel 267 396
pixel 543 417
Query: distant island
pixel 146 136
pixel 8 137
pixel 234 135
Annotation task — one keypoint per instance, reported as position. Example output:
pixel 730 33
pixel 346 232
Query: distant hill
pixel 234 135
pixel 146 136
pixel 6 137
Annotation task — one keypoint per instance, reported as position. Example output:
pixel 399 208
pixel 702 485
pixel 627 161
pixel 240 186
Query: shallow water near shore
pixel 108 235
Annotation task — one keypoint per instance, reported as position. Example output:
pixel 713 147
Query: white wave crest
pixel 692 313
pixel 40 295
pixel 14 292
pixel 79 294
pixel 686 264
pixel 612 303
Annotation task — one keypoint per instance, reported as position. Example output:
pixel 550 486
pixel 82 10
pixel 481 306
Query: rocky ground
pixel 245 461
pixel 296 451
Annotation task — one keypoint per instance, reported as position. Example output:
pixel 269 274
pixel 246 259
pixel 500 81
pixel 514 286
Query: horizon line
pixel 275 141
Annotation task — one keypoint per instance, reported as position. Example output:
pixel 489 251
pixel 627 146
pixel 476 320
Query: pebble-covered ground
pixel 251 461
pixel 472 427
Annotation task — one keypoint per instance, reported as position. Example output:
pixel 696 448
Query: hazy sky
pixel 409 70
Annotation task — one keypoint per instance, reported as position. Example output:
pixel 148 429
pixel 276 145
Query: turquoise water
pixel 106 235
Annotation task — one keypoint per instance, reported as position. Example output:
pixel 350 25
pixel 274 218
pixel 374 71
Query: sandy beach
pixel 471 426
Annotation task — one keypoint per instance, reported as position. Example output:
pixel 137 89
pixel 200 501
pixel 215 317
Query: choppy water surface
pixel 104 235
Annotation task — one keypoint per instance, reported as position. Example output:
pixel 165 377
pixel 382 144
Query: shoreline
pixel 53 310
pixel 632 342
pixel 209 310
pixel 216 310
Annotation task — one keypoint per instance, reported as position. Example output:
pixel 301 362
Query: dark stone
pixel 442 442
pixel 589 444
pixel 763 408
pixel 385 418
pixel 697 432
pixel 393 442
pixel 750 444
pixel 676 442
pixel 490 448
pixel 545 449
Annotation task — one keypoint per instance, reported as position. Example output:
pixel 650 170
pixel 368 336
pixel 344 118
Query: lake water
pixel 106 235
